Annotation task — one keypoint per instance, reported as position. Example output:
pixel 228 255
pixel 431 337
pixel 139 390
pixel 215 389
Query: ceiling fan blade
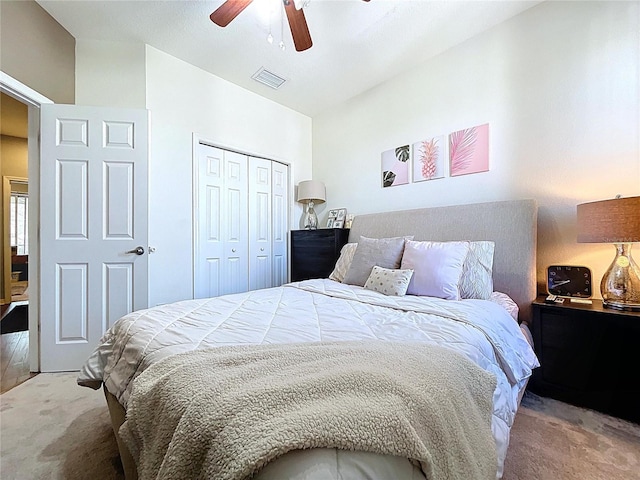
pixel 228 11
pixel 298 25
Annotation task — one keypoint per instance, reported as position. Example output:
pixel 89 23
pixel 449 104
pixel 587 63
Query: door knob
pixel 137 251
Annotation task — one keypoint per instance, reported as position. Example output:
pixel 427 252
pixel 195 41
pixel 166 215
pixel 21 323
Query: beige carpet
pixel 52 429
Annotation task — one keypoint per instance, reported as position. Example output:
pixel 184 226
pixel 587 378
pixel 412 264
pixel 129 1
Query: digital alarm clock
pixel 569 281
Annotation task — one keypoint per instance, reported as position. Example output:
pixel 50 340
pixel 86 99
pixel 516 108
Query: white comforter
pixel 319 310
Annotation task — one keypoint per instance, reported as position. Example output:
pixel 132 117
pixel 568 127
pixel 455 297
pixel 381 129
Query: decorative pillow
pixel 389 282
pixel 437 268
pixel 477 271
pixel 344 262
pixel 383 252
pixel 506 302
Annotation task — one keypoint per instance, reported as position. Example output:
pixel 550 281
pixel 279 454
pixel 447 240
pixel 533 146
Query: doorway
pixel 25 95
pixel 14 316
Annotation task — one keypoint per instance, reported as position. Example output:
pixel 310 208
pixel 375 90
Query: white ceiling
pixel 356 45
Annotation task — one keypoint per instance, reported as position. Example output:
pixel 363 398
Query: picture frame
pixel 330 222
pixel 342 213
pixel 333 213
pixel 348 220
pixel 338 224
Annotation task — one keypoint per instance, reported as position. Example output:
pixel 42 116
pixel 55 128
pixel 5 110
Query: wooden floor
pixel 14 360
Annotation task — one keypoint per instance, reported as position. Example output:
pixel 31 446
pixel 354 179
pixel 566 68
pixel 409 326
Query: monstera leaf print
pixel 402 153
pixel 461 148
pixel 388 178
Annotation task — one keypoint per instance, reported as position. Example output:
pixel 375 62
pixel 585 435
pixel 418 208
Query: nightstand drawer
pixel 588 357
pixel 568 343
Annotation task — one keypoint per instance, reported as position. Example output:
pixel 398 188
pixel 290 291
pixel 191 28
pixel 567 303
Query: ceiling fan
pixel 230 9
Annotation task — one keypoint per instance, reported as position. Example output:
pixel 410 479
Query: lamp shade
pixel 311 190
pixel 609 221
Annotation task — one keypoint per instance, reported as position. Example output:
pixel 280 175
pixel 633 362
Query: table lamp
pixel 311 192
pixel 615 221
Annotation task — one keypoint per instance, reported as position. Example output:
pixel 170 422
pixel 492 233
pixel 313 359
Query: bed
pixel 156 362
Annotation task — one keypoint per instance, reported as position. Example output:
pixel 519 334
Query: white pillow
pixel 344 262
pixel 477 272
pixel 437 267
pixel 389 282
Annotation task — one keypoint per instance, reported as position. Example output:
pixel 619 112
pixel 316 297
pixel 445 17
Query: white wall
pixel 110 74
pixel 184 100
pixel 559 86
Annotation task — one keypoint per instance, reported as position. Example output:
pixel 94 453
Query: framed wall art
pixel 469 150
pixel 429 159
pixel 395 166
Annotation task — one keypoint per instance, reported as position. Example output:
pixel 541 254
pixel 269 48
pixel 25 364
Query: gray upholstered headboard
pixel 512 225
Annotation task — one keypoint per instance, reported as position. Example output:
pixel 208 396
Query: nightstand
pixel 314 252
pixel 589 356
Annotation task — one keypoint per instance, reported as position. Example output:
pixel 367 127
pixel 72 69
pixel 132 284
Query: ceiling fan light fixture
pixel 268 78
pixel 300 4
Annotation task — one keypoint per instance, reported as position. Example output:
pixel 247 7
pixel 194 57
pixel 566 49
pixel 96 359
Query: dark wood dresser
pixel 589 356
pixel 314 252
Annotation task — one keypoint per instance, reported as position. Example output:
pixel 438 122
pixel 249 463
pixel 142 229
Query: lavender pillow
pixel 437 268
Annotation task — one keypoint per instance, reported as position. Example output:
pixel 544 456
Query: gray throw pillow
pixel 383 252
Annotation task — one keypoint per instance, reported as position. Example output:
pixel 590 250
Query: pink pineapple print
pixel 428 158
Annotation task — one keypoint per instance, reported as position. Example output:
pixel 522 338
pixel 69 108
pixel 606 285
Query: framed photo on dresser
pixel 336 218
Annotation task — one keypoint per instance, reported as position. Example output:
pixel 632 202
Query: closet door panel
pixel 279 221
pixel 221 264
pixel 209 246
pixel 236 262
pixel 260 263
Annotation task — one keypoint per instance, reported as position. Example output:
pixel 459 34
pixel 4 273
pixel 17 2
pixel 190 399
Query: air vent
pixel 268 78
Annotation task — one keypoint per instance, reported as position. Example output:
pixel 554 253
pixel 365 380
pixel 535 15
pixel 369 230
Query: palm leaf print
pixel 428 158
pixel 402 153
pixel 461 148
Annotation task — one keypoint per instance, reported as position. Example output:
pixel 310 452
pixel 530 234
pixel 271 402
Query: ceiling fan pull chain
pixel 281 44
pixel 270 37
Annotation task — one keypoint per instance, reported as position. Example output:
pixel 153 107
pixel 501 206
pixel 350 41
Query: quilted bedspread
pixel 312 311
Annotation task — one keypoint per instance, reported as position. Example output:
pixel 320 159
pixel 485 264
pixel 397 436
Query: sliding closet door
pixel 221 253
pixel 260 262
pixel 279 221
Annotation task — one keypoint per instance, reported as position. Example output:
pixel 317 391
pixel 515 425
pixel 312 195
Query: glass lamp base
pixel 311 220
pixel 620 286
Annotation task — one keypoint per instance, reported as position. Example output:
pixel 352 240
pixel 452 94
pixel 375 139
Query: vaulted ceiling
pixel 356 44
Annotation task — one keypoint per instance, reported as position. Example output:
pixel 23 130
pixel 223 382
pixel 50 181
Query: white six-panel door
pixel 93 210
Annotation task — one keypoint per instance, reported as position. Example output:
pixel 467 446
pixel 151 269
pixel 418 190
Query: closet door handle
pixel 233 250
pixel 137 251
pixel 262 249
